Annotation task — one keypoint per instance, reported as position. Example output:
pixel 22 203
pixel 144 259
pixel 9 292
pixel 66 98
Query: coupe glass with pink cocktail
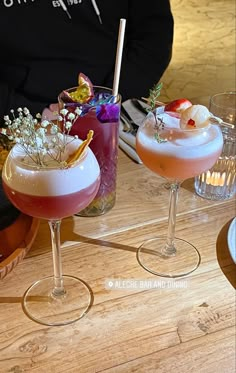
pixel 176 149
pixel 52 185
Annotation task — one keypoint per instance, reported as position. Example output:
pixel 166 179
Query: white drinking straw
pixel 119 52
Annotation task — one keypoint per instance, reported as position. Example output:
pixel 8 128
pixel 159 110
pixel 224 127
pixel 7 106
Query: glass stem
pixel 56 254
pixel 169 248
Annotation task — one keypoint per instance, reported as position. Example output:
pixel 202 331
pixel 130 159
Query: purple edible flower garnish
pixel 106 110
pixel 108 113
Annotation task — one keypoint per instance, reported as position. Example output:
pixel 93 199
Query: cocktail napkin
pixel 127 140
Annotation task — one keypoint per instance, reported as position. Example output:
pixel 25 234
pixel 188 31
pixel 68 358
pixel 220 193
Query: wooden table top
pixel 190 328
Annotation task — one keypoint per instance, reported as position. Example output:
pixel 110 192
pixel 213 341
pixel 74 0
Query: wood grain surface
pixel 184 325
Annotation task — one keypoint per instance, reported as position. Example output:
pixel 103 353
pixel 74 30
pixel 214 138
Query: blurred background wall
pixel 203 61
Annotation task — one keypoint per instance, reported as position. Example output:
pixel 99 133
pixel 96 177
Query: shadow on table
pixel 10 300
pixel 68 234
pixel 226 263
pixel 188 184
pixel 71 236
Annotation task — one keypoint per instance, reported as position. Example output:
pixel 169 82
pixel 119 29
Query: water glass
pixel 219 183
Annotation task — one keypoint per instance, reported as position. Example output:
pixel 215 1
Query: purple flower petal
pixel 108 113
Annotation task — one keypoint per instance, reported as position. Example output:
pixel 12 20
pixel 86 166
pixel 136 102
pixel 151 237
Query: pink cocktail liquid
pixel 53 192
pixel 104 147
pixel 185 154
pixel 51 208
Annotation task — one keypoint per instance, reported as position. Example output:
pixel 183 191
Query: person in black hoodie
pixel 46 43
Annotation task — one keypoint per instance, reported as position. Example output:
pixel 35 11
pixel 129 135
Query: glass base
pixel 41 305
pixel 214 193
pixel 185 260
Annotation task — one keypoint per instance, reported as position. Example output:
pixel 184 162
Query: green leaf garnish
pixel 159 138
pixel 154 93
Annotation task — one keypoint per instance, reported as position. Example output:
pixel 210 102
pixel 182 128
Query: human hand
pixel 50 113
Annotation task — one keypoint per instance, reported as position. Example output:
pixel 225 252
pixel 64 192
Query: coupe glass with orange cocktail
pixel 176 148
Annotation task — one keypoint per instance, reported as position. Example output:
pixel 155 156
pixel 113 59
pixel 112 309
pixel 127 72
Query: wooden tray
pixel 17 238
pixel 15 242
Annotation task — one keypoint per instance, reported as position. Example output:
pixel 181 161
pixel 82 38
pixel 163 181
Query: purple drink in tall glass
pixel 101 115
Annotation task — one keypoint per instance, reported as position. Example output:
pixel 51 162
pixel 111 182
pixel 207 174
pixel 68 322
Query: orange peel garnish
pixel 81 149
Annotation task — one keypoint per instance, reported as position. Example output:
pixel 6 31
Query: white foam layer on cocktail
pixel 27 178
pixel 185 144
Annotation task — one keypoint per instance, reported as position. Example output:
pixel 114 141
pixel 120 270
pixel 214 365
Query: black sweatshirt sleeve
pixel 9 99
pixel 36 65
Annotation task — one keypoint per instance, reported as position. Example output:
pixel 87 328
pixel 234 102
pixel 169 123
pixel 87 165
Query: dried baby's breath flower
pixel 32 134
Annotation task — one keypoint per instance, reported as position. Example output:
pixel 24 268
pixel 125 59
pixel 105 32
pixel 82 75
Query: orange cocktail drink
pixel 176 147
pixel 184 154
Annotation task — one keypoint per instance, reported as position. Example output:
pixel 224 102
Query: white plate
pixel 231 238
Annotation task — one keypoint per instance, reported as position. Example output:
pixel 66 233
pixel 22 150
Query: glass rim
pixel 223 94
pixel 118 96
pixel 179 129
